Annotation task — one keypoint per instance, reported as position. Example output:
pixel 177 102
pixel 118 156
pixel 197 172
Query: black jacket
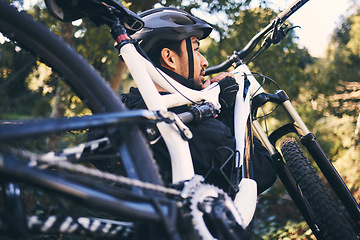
pixel 212 149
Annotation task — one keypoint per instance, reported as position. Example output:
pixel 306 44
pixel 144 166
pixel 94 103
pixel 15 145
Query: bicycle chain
pixel 116 178
pixel 51 159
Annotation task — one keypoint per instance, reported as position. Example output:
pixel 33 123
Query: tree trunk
pixel 61 98
pixel 116 79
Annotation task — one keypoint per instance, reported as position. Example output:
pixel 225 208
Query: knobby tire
pixel 328 216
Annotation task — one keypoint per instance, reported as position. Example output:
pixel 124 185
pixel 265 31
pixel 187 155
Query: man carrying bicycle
pixel 171 39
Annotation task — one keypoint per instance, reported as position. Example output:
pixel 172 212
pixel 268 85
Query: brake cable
pixel 275 35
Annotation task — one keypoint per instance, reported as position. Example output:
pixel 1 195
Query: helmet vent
pixel 179 19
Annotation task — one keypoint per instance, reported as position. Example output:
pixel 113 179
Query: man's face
pixel 200 63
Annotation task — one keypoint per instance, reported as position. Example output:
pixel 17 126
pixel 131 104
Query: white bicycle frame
pixel 145 74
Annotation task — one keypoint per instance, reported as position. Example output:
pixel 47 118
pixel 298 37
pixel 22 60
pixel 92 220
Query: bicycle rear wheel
pixel 21 33
pixel 327 214
pixel 82 78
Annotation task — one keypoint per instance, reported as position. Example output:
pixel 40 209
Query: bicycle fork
pixel 308 139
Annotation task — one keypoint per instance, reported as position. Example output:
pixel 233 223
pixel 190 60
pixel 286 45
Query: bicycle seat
pixel 99 11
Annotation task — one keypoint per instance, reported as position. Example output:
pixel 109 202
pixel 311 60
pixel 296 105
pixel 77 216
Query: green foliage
pixel 354 42
pixel 342 60
pixel 340 139
pixel 97 46
pixel 139 5
pixel 18 96
pixel 230 7
pixel 292 230
pixel 277 217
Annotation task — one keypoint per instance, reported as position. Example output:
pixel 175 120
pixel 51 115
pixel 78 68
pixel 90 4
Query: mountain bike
pixel 131 201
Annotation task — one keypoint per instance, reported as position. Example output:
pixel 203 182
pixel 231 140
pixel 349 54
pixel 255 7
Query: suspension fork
pixel 309 141
pixel 288 181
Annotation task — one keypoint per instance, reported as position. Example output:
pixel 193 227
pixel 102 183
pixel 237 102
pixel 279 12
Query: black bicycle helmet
pixel 171 24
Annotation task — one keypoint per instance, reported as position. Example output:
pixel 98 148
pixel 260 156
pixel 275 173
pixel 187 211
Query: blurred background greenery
pixel 324 90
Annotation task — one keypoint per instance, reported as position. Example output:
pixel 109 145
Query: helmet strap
pixel 177 77
pixel 189 82
pixel 190 60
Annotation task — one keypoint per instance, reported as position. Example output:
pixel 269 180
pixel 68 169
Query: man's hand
pixel 228 89
pixel 217 78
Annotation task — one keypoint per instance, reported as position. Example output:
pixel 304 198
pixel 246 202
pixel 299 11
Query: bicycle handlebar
pixel 242 53
pixel 290 10
pixel 237 56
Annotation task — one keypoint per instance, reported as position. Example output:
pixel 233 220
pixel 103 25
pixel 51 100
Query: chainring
pixel 210 208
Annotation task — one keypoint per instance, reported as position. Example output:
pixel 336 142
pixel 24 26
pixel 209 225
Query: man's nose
pixel 204 62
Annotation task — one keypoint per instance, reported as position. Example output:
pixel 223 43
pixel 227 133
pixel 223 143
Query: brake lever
pixel 278 33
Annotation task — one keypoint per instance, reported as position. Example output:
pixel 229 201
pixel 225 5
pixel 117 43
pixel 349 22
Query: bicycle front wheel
pixel 328 216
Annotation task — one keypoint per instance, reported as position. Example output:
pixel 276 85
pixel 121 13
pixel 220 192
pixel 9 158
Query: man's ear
pixel 167 58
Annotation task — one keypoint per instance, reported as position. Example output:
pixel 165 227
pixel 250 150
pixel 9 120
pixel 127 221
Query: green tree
pixel 331 99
